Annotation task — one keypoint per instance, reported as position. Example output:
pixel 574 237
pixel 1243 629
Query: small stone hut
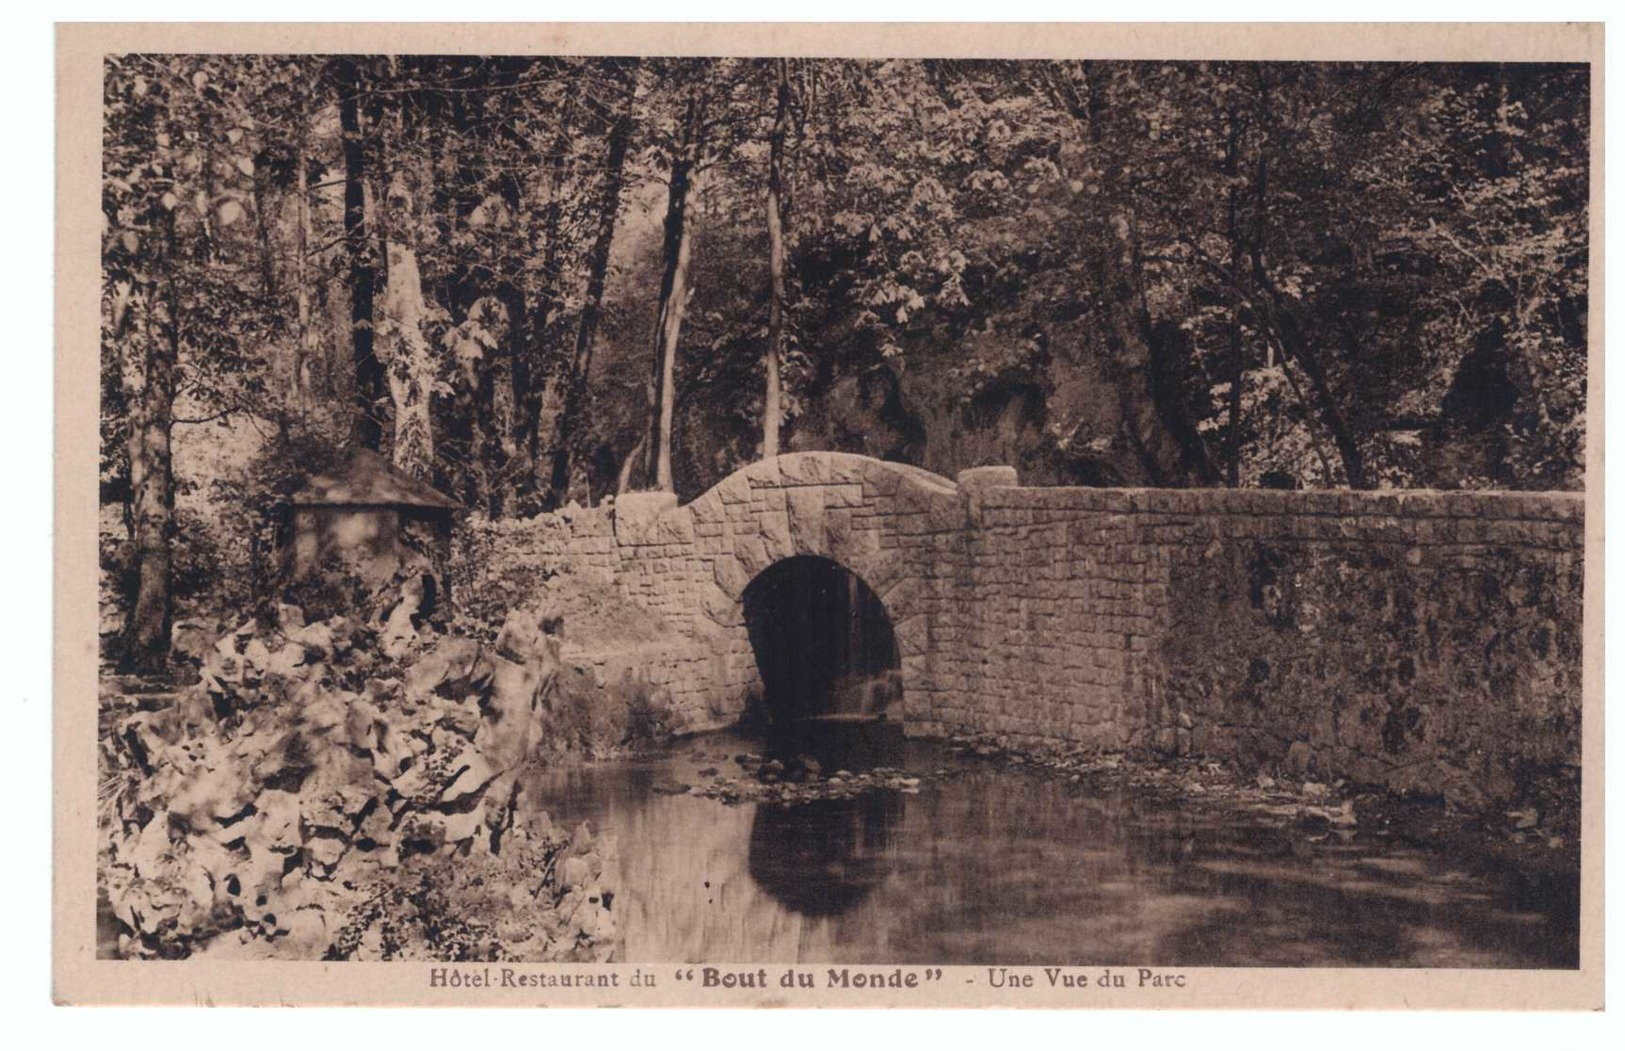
pixel 362 511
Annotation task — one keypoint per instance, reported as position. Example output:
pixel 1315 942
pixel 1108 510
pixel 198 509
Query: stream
pixel 996 865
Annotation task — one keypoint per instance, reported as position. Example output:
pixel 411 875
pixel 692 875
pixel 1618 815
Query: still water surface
pixel 997 866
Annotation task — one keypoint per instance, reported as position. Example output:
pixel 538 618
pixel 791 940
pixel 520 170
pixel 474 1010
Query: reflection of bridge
pixel 1217 621
pixel 822 858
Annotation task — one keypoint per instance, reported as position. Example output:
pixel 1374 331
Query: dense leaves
pixel 533 280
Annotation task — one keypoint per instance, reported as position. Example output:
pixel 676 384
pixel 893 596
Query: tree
pixel 563 438
pixel 1105 273
pixel 402 346
pixel 775 241
pixel 172 187
pixel 683 173
pixel 368 370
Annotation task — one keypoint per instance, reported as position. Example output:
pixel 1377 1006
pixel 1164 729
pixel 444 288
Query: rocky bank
pixel 352 788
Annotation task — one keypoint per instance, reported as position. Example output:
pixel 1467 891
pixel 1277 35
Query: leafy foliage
pixel 1102 272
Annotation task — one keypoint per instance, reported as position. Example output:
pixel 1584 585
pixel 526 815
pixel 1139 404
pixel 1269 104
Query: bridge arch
pixel 823 641
pixel 887 524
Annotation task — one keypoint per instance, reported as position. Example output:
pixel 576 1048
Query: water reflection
pixel 822 858
pixel 999 867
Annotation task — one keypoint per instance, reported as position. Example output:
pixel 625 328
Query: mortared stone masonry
pixel 1418 640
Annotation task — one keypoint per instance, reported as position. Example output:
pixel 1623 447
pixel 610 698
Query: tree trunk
pixel 1154 423
pixel 405 351
pixel 1293 346
pixel 562 440
pixel 541 404
pixel 1238 373
pixel 263 232
pixel 1283 326
pixel 674 294
pixel 775 255
pixel 369 372
pixel 1143 400
pixel 149 361
pixel 305 347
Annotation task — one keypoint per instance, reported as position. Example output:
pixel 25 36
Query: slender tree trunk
pixel 623 480
pixel 306 350
pixel 542 400
pixel 674 294
pixel 149 362
pixel 1283 325
pixel 263 231
pixel 503 409
pixel 1294 347
pixel 369 372
pixel 575 394
pixel 1238 374
pixel 775 255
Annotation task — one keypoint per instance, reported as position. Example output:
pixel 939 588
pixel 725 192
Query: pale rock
pixel 256 657
pixel 325 850
pixel 363 724
pixel 505 736
pixel 275 825
pixel 317 640
pixel 523 640
pixel 288 662
pixel 574 872
pixel 192 641
pixel 462 827
pixel 214 794
pixel 307 935
pixel 474 773
pixel 594 921
pixel 149 847
pixel 452 665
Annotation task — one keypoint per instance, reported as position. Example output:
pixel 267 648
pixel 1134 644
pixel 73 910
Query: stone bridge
pixel 1417 639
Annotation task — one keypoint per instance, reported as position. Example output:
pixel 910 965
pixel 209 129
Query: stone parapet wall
pixel 1420 640
pixel 1416 639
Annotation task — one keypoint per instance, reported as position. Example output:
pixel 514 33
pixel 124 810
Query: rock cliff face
pixel 349 790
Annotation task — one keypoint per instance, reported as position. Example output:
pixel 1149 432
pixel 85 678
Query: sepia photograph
pixel 809 521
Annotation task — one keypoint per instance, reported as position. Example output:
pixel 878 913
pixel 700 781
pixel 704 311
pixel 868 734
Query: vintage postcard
pixel 846 516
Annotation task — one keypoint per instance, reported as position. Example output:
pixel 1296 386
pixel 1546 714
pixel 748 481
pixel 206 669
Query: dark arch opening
pixel 824 645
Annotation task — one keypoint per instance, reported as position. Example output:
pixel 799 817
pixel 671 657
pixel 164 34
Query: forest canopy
pixel 532 280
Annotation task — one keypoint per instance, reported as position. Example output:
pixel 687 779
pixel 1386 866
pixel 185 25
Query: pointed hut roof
pixel 365 479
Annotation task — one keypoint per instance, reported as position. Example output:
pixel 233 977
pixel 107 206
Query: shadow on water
pixel 824 857
pixel 998 866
